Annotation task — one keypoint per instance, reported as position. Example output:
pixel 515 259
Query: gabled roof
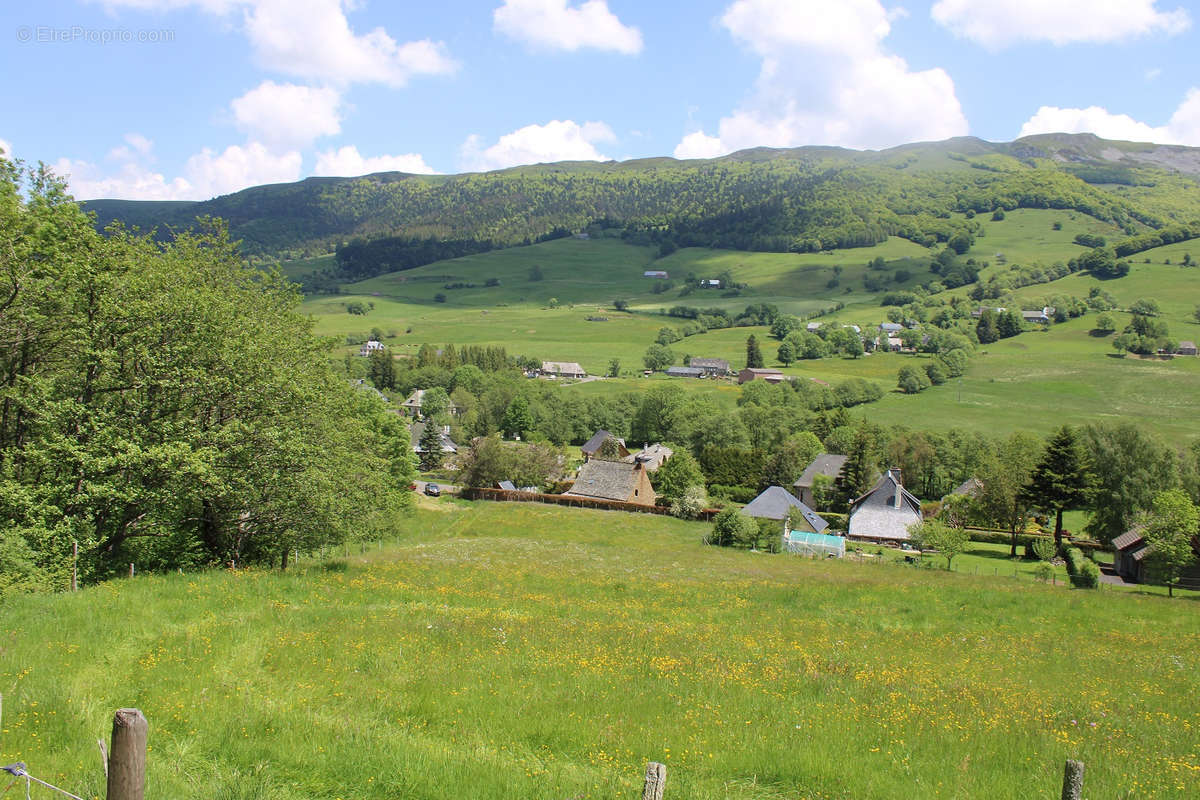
pixel 890 326
pixel 824 464
pixel 1128 539
pixel 561 367
pixel 685 372
pixel 776 502
pixel 607 480
pixel 651 457
pixel 592 446
pixel 418 428
pixel 763 371
pixel 709 363
pixel 508 486
pixel 883 495
pixel 970 487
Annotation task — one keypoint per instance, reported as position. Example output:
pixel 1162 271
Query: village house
pixel 685 372
pixel 754 373
pixel 890 328
pixel 370 346
pixel 1187 348
pixel 776 503
pixel 971 487
pixel 449 447
pixel 710 283
pixel 1043 317
pixel 825 464
pixel 652 456
pixel 562 369
pixel 812 327
pixel 592 446
pixel 656 273
pixel 1130 550
pixel 884 513
pixel 412 406
pixel 622 481
pixel 717 367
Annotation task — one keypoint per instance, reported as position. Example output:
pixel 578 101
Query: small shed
pixel 1187 348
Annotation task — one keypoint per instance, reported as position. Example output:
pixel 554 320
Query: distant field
pixel 1033 382
pixel 534 652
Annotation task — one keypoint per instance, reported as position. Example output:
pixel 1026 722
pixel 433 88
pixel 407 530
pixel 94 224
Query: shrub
pixel 1083 571
pixel 735 494
pixel 731 527
pixel 1043 549
pixel 1043 572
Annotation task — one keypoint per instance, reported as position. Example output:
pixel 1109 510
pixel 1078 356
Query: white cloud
pixel 313 39
pixel 996 24
pixel 206 174
pixel 347 161
pixel 826 78
pixel 557 140
pixel 556 25
pixel 700 145
pixel 286 116
pixel 1182 128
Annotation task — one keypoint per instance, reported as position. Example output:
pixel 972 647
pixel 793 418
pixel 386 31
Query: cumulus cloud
pixel 1182 128
pixel 557 25
pixel 826 78
pixel 286 116
pixel 347 161
pixel 700 145
pixel 206 174
pixel 996 24
pixel 313 39
pixel 557 140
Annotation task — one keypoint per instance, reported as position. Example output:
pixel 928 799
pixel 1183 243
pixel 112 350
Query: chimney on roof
pixel 895 476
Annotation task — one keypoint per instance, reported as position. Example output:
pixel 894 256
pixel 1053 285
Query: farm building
pixel 890 328
pixel 825 464
pixel 685 372
pixel 884 513
pixel 370 346
pixel 1187 348
pixel 614 480
pixel 592 446
pixel 1129 550
pixel 776 502
pixel 753 373
pixel 718 367
pixel 1043 317
pixel 563 369
pixel 656 273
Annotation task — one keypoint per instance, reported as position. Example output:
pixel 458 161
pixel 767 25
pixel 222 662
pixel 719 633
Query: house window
pixel 635 491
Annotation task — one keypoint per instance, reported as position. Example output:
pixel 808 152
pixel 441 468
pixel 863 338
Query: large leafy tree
pixel 1003 476
pixel 1129 468
pixel 167 404
pixel 677 474
pixel 1059 479
pixel 1170 530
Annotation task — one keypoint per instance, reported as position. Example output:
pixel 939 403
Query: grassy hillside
pixel 538 652
pixel 1024 383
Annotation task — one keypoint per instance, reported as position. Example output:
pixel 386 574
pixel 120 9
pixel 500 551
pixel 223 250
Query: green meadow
pixel 1034 381
pixel 527 651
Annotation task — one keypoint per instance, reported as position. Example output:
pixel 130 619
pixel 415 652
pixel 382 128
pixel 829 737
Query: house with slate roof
pixel 1129 551
pixel 592 446
pixel 776 503
pixel 717 367
pixel 623 481
pixel 448 445
pixel 766 373
pixel 651 456
pixel 563 369
pixel 685 372
pixel 884 513
pixel 825 464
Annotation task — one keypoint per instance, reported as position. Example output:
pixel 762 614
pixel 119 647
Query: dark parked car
pixel 433 490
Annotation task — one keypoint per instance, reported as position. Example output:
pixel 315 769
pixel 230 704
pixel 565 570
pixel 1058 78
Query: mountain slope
pixel 799 199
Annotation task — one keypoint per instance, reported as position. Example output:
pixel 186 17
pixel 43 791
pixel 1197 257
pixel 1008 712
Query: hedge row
pixel 1083 571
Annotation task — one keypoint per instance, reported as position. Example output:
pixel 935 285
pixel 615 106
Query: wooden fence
pixel 509 496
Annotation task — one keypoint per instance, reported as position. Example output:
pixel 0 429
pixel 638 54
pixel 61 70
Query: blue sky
pixel 187 99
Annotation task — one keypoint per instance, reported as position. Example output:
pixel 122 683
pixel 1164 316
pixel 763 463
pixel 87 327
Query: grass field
pixel 528 651
pixel 1033 382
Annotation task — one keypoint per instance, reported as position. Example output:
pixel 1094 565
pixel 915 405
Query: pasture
pixel 528 651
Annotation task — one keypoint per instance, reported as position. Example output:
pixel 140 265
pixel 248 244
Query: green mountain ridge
pixel 798 199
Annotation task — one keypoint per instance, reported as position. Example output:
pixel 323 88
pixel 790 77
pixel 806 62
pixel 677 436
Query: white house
pixel 370 346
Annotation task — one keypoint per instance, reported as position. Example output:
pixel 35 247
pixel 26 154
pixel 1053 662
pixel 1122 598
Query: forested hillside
pixel 798 200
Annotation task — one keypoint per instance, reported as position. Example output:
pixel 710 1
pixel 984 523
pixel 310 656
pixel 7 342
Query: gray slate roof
pixel 875 515
pixel 709 363
pixel 1127 539
pixel 776 502
pixel 418 428
pixel 685 372
pixel 507 486
pixel 607 480
pixel 970 487
pixel 593 444
pixel 824 464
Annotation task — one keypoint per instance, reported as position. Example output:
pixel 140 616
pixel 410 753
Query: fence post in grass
pixel 127 756
pixel 656 779
pixel 1072 780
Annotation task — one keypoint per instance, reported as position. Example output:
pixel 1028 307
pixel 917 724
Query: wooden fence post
pixel 656 779
pixel 1072 780
pixel 127 756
